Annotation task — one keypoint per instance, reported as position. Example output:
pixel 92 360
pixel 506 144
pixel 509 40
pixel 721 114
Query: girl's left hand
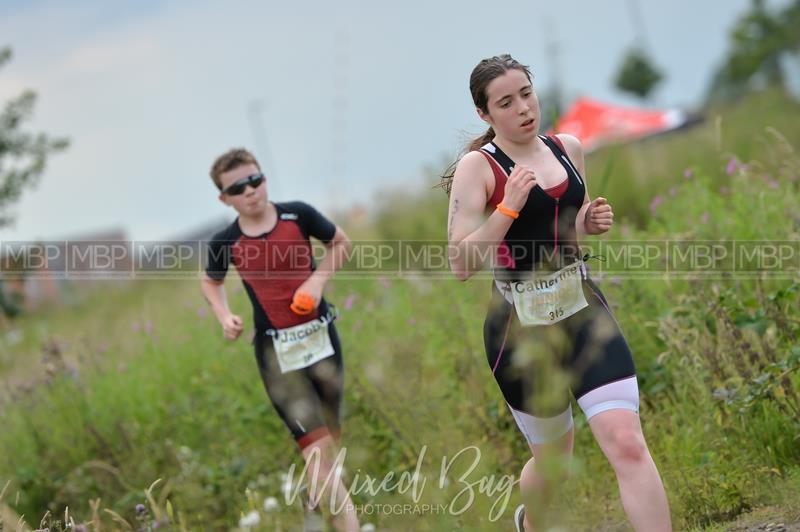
pixel 599 217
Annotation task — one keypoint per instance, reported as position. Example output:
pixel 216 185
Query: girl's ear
pixel 484 116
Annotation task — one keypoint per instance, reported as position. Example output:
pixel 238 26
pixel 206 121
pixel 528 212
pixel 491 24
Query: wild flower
pixel 658 200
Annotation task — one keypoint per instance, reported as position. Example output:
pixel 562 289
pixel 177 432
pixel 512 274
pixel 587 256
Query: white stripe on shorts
pixel 623 393
pixel 539 430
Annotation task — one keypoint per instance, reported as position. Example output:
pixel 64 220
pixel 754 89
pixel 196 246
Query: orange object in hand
pixel 302 304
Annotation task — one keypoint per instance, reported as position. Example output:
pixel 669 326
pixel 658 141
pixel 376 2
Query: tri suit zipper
pixel 555 245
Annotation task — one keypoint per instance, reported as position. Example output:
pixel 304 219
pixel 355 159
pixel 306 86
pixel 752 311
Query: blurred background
pixel 112 113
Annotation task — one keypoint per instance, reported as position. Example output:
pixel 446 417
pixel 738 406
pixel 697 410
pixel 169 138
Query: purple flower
pixel 384 282
pixel 348 303
pixel 704 218
pixel 412 321
pixel 202 312
pixel 688 173
pixel 730 168
pixel 658 200
pixel 148 326
pixel 724 190
pixel 141 508
pixel 616 281
pixel 773 184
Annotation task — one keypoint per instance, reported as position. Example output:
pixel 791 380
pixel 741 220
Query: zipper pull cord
pixel 601 258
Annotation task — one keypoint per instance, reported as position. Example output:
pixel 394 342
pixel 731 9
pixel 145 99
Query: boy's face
pixel 252 201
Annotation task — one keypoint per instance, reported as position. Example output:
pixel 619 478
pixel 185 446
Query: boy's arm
pixel 336 254
pixel 214 292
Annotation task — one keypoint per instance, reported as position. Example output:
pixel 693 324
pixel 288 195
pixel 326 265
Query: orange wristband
pixel 508 212
pixel 302 304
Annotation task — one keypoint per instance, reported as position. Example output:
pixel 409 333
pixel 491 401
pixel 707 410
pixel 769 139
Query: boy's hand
pixel 599 217
pixel 313 287
pixel 232 326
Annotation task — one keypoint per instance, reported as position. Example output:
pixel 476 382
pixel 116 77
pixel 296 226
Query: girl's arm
pixel 473 240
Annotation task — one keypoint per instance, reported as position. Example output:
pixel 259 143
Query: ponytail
pixel 446 179
pixel 479 142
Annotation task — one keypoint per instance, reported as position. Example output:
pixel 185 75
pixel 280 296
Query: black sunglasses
pixel 240 186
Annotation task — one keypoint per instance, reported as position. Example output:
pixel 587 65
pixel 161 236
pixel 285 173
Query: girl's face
pixel 252 201
pixel 513 107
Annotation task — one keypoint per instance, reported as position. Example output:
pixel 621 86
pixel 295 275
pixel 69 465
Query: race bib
pixel 549 298
pixel 302 345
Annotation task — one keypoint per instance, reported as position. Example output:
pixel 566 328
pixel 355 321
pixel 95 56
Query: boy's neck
pixel 267 217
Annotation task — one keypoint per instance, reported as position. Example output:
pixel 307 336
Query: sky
pixel 342 102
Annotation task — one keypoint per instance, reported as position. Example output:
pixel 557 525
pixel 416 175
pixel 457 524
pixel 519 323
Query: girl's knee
pixel 626 446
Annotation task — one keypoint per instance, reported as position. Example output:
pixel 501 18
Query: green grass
pixel 145 387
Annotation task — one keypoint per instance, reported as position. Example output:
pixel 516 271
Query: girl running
pixel 522 198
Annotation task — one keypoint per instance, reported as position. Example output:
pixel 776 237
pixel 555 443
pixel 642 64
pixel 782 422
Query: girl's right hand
pixel 518 186
pixel 232 326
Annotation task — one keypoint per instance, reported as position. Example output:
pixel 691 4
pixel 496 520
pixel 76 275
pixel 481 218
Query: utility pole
pixel 639 29
pixel 340 109
pixel 556 95
pixel 255 117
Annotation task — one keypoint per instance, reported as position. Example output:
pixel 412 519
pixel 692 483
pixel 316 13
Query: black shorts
pixel 309 399
pixel 537 367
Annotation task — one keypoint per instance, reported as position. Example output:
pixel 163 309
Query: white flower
pixel 270 503
pixel 14 336
pixel 250 520
pixel 367 527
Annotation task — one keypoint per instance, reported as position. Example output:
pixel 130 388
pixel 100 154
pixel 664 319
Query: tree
pixel 757 42
pixel 22 160
pixel 637 74
pixel 22 155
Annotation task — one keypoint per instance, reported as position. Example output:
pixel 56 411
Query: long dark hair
pixel 483 74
